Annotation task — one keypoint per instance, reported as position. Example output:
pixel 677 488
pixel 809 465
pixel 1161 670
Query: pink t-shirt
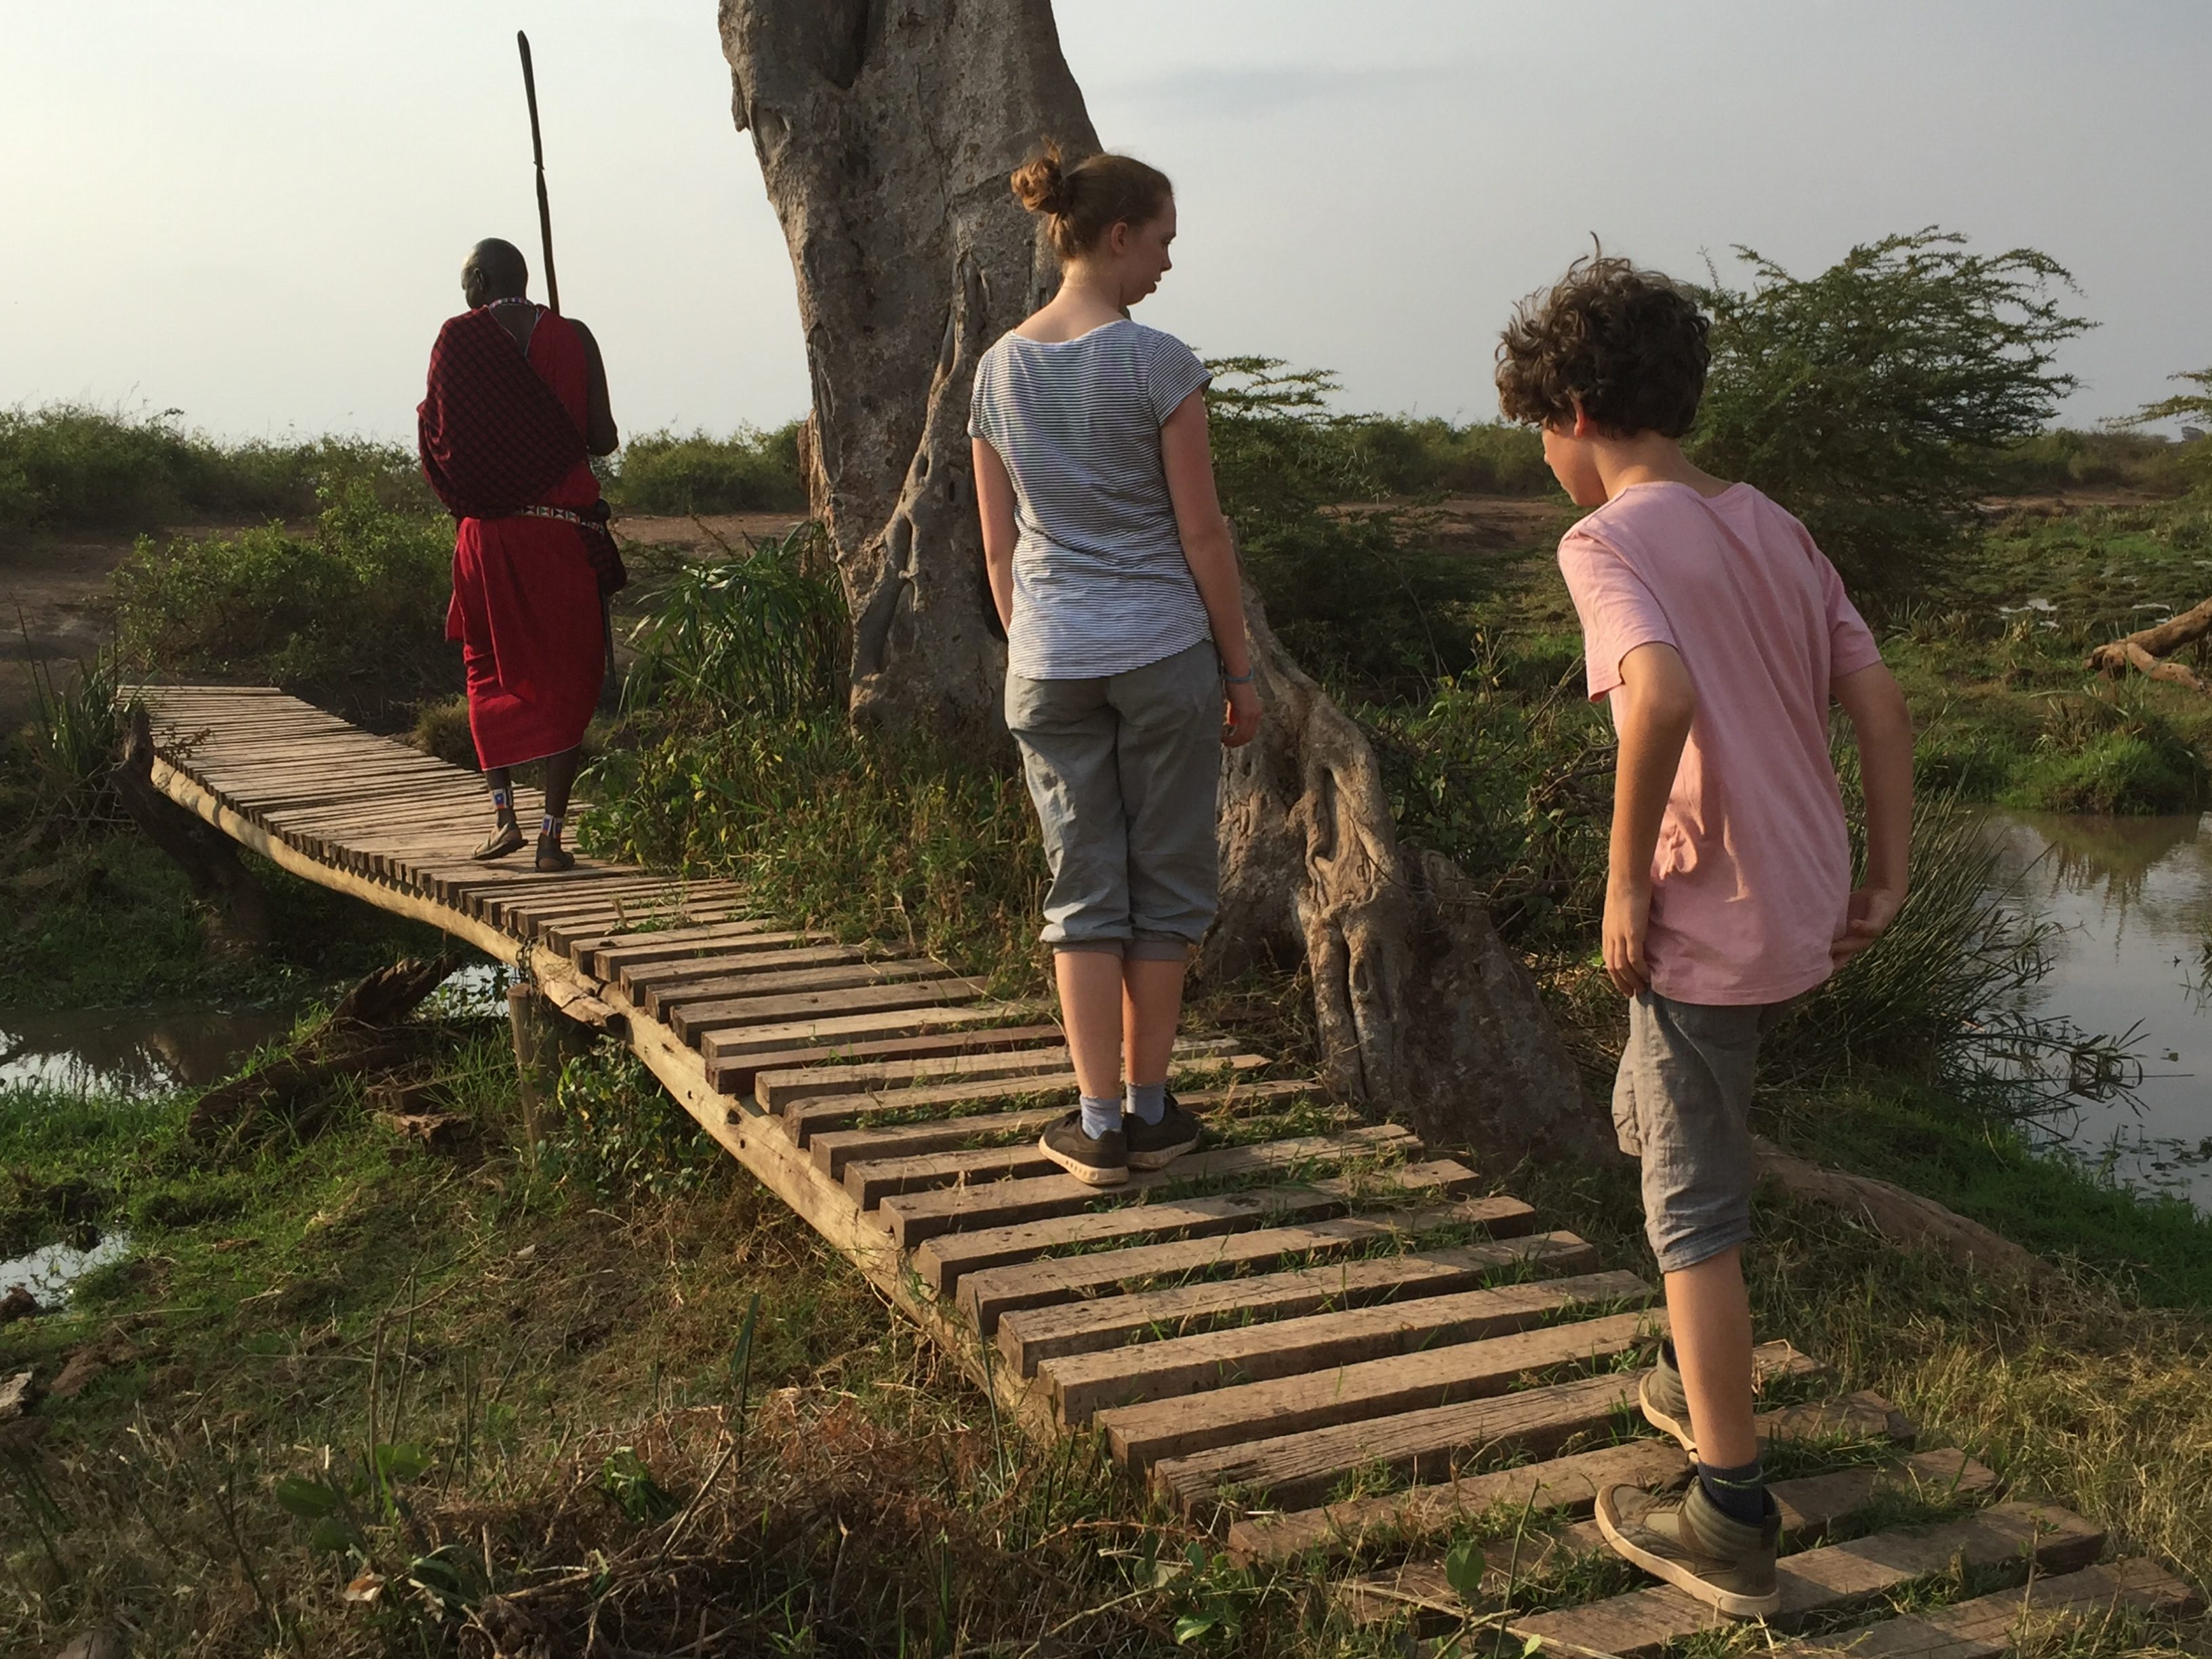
pixel 1751 878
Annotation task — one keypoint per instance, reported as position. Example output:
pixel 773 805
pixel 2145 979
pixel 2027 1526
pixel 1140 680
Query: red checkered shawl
pixel 494 438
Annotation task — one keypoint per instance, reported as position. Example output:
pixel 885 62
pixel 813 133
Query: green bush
pixel 748 472
pixel 2146 769
pixel 1406 456
pixel 1872 400
pixel 2064 459
pixel 765 633
pixel 1355 597
pixel 66 466
pixel 352 618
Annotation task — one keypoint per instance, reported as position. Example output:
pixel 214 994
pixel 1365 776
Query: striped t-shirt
pixel 1101 584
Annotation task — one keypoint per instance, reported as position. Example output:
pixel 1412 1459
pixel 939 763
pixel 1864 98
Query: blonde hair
pixel 1081 203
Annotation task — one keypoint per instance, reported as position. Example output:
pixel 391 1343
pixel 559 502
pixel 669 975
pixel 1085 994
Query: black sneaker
pixel 1103 1161
pixel 1156 1145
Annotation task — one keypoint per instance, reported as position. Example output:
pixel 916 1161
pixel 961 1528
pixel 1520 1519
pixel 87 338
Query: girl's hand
pixel 1240 723
pixel 1871 910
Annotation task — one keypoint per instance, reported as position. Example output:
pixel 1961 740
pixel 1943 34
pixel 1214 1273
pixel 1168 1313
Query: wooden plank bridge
pixel 1309 1307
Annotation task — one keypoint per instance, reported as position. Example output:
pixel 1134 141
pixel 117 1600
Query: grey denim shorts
pixel 1126 774
pixel 1682 1104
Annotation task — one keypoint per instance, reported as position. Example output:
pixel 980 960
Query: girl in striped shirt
pixel 1127 667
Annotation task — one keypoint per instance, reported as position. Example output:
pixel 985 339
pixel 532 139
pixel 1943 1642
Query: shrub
pixel 67 467
pixel 1872 399
pixel 1406 456
pixel 1353 597
pixel 748 472
pixel 2064 459
pixel 765 633
pixel 2147 770
pixel 352 618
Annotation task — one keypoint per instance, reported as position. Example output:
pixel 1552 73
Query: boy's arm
pixel 994 503
pixel 1653 714
pixel 1882 725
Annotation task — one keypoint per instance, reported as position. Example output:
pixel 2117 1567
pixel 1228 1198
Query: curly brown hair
pixel 1628 344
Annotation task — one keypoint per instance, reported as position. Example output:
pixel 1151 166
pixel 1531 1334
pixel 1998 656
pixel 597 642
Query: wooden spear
pixel 538 155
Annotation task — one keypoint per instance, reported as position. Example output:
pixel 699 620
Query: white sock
pixel 1100 1117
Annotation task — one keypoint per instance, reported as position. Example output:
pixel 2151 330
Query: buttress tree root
pixel 886 131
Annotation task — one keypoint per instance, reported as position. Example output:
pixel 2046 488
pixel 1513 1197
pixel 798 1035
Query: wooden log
pixel 1029 1335
pixel 1833 1578
pixel 1294 1469
pixel 2143 648
pixel 913 1218
pixel 207 858
pixel 1991 1626
pixel 1564 1485
pixel 1335 1367
pixel 944 1262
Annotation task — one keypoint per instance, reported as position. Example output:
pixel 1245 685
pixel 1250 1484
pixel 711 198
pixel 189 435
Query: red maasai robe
pixel 500 431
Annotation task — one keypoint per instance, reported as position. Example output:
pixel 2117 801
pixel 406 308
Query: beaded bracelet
pixel 1244 678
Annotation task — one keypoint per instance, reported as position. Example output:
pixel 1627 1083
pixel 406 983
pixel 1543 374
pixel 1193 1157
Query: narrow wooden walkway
pixel 1311 1309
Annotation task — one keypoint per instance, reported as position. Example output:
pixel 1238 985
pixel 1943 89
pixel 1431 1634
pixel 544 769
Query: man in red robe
pixel 516 406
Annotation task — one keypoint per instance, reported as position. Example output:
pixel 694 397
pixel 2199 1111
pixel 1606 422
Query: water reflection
pixel 2133 900
pixel 131 1051
pixel 48 1272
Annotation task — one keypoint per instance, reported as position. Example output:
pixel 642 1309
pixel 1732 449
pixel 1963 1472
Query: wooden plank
pixel 1564 1486
pixel 849 1034
pixel 1029 1335
pixel 772 978
pixel 1237 1368
pixel 563 936
pixel 1295 1469
pixel 839 1149
pixel 758 952
pixel 1833 1578
pixel 1015 1155
pixel 945 1263
pixel 805 1118
pixel 692 1021
pixel 1262 1389
pixel 1991 1626
pixel 777 1089
pixel 957 1047
pixel 1811 1506
pixel 605 955
pixel 913 1218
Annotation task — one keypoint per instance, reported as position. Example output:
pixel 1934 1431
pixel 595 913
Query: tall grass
pixel 74 736
pixel 763 634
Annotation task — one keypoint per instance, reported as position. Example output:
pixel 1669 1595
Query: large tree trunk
pixel 886 130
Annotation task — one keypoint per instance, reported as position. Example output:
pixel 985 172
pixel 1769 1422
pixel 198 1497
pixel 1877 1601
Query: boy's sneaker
pixel 1156 1145
pixel 1103 1161
pixel 1690 1543
pixel 1666 1406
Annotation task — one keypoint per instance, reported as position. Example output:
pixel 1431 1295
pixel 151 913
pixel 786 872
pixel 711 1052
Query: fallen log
pixel 359 1037
pixel 2143 649
pixel 1902 1217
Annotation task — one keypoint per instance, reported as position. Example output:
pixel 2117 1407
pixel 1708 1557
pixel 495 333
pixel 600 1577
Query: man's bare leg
pixel 506 833
pixel 1709 1312
pixel 560 778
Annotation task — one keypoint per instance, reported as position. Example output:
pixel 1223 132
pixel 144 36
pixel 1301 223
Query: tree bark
pixel 886 131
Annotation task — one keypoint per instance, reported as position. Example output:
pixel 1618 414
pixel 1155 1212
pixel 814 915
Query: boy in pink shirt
pixel 1720 634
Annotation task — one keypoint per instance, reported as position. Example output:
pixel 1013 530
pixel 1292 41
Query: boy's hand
pixel 1871 910
pixel 1627 914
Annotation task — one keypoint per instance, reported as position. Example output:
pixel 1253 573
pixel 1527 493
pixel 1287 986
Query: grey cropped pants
pixel 1126 774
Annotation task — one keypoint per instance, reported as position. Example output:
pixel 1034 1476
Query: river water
pixel 2131 899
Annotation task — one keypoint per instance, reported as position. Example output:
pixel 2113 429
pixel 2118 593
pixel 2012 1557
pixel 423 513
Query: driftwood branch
pixel 207 856
pixel 2143 649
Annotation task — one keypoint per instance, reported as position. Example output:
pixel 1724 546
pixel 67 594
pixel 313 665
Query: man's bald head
pixel 494 270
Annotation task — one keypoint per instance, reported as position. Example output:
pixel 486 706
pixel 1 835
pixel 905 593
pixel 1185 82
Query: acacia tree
pixel 1873 399
pixel 886 131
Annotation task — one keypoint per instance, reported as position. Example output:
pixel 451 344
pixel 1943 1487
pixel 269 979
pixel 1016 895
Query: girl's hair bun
pixel 1040 185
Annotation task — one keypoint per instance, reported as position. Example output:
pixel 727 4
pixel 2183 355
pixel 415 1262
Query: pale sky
pixel 254 210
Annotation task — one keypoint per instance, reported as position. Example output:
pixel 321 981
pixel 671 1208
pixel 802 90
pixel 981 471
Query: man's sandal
pixel 553 858
pixel 507 838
